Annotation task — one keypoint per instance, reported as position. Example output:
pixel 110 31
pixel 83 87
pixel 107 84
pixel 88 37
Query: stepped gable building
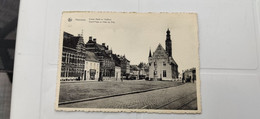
pixel 73 56
pixel 107 63
pixel 161 63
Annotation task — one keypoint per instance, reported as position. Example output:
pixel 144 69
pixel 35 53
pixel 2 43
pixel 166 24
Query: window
pixel 164 73
pixel 164 64
pixel 63 59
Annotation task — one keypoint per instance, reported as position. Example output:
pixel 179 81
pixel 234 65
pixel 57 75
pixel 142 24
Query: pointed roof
pixel 168 35
pixel 159 47
pixel 150 54
pixel 168 30
pixel 160 52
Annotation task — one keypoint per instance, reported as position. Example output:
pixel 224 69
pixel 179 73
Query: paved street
pixel 71 91
pixel 181 97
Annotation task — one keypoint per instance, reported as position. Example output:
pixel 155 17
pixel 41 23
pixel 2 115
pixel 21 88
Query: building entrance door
pixel 92 74
pixel 85 78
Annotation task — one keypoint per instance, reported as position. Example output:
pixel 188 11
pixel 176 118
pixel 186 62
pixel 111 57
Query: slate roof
pixel 90 56
pixel 160 48
pixel 70 42
pixel 116 59
pixel 173 61
pixel 100 47
pixel 160 51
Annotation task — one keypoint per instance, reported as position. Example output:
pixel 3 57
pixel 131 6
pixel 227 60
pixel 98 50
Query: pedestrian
pixel 183 77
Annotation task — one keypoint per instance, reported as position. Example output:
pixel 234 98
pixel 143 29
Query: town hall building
pixel 162 66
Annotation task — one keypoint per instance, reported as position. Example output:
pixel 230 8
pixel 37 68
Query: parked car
pixel 147 78
pixel 141 76
pixel 133 77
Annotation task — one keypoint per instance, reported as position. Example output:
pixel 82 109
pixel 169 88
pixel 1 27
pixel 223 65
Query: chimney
pixel 104 44
pixel 95 40
pixel 107 47
pixel 90 38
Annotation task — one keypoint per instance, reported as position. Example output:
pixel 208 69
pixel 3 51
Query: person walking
pixel 183 77
pixel 121 79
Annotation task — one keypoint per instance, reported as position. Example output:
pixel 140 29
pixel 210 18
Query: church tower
pixel 150 54
pixel 168 43
pixel 150 57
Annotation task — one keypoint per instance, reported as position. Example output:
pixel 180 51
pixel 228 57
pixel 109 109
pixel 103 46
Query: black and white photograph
pixel 129 62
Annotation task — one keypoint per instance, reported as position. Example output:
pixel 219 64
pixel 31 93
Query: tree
pixel 141 65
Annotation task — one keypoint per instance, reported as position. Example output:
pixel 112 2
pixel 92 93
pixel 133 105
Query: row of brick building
pixel 90 61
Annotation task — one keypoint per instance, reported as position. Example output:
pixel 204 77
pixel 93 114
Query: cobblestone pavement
pixel 84 89
pixel 181 97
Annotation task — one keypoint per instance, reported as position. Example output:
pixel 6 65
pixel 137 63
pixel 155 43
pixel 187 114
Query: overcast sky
pixel 133 35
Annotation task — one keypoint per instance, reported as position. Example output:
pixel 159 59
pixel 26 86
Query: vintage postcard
pixel 129 62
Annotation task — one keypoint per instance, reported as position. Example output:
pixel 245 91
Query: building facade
pixel 104 55
pixel 92 67
pixel 123 63
pixel 162 66
pixel 90 61
pixel 143 70
pixel 134 72
pixel 189 75
pixel 125 66
pixel 117 73
pixel 73 56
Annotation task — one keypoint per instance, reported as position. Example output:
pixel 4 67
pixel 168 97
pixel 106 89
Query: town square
pixel 137 94
pixel 93 77
pixel 106 64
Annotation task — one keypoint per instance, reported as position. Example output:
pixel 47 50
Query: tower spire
pixel 168 43
pixel 150 54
